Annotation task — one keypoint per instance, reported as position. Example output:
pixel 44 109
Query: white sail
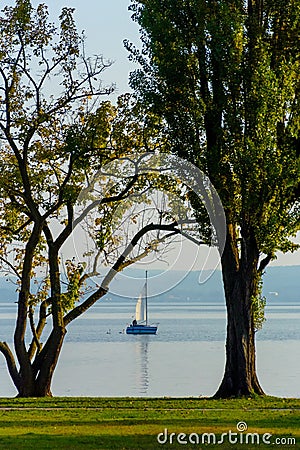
pixel 141 307
pixel 140 324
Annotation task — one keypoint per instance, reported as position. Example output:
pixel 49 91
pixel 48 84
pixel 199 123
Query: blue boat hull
pixel 141 329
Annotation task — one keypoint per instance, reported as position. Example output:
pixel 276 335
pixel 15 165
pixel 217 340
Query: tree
pixel 42 170
pixel 224 76
pixel 57 138
pixel 55 134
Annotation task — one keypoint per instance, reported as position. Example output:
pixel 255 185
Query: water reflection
pixel 142 363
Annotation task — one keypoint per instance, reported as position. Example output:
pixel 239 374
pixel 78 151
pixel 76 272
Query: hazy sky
pixel 106 24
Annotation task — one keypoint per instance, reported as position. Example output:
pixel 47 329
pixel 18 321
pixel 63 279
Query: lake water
pixel 185 358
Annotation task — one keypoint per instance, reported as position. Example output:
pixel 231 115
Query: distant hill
pixel 281 284
pixel 283 280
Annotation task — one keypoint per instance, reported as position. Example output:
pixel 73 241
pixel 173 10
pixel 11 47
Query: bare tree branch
pixel 11 266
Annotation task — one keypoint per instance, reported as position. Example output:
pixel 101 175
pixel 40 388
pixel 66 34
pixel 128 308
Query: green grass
pixel 120 423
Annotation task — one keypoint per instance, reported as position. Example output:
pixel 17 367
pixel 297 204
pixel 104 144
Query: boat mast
pixel 146 299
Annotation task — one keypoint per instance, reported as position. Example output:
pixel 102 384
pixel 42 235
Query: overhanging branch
pixel 117 267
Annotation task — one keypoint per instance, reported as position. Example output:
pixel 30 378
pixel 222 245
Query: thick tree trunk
pixel 28 389
pixel 43 368
pixel 36 390
pixel 49 362
pixel 240 284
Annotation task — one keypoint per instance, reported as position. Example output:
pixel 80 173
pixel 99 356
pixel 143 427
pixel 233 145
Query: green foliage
pixel 73 272
pixel 258 303
pixel 224 77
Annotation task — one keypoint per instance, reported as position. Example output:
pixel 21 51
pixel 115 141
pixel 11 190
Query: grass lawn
pixel 134 423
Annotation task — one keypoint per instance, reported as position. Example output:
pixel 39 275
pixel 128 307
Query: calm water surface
pixel 185 358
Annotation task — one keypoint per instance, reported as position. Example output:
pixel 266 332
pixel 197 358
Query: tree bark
pixel 240 284
pixel 49 362
pixel 39 385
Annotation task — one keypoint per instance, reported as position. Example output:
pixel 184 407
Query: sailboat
pixel 140 324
